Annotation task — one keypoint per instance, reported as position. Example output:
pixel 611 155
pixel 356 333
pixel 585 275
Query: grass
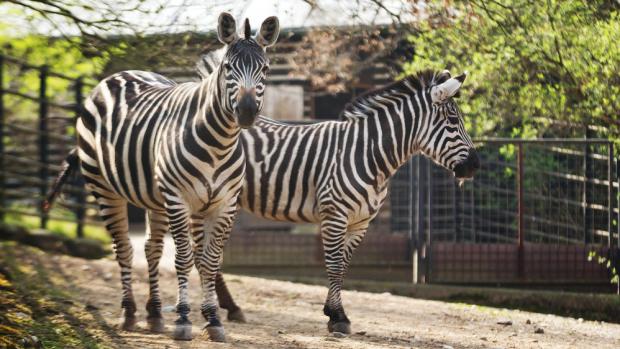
pixel 35 300
pixel 58 227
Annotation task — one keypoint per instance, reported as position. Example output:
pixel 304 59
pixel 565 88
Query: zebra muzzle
pixel 468 167
pixel 247 109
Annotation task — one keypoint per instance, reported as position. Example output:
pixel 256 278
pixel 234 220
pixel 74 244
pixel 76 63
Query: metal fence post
pixel 2 206
pixel 456 208
pixel 617 249
pixel 618 218
pixel 472 203
pixel 610 193
pixel 420 236
pixel 520 207
pixel 413 244
pixel 614 249
pixel 429 232
pixel 587 191
pixel 43 142
pixel 80 196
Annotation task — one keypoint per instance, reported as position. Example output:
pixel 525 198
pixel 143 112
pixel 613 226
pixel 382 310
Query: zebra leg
pixel 156 227
pixel 226 301
pixel 351 242
pixel 341 323
pixel 224 297
pixel 217 230
pixel 333 235
pixel 113 211
pixel 179 219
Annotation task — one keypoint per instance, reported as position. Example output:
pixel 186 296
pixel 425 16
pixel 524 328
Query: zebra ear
pixel 447 89
pixel 269 31
pixel 443 76
pixel 226 28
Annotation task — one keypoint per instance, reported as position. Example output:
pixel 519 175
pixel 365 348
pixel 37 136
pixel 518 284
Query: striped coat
pixel 174 150
pixel 336 173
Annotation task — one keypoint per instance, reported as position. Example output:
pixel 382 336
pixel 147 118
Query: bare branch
pixel 396 16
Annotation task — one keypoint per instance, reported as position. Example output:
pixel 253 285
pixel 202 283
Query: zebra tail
pixel 69 166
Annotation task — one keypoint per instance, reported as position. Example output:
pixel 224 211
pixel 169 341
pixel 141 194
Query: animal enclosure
pixel 531 216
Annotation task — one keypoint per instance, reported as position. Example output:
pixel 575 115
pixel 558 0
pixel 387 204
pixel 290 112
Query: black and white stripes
pixel 288 166
pixel 174 150
pixel 336 173
pixel 179 151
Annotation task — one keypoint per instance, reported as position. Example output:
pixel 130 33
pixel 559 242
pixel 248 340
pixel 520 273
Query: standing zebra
pixel 174 150
pixel 336 173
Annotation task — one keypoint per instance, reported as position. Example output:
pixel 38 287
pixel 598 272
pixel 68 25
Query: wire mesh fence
pixel 562 204
pixel 534 211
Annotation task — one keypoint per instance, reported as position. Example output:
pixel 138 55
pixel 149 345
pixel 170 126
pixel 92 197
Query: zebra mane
pixel 419 81
pixel 208 62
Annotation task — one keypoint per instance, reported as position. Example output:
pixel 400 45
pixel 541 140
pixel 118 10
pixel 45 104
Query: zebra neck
pixel 392 128
pixel 216 122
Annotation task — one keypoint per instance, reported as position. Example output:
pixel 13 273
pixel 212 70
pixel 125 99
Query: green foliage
pixel 60 55
pixel 607 262
pixel 64 55
pixel 537 68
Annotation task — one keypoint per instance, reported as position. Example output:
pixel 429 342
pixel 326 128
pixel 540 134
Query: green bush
pixel 537 68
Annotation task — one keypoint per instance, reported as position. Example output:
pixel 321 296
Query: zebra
pixel 174 150
pixel 336 173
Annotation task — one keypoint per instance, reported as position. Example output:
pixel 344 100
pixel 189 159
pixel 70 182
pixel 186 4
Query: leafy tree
pixel 61 55
pixel 84 23
pixel 537 68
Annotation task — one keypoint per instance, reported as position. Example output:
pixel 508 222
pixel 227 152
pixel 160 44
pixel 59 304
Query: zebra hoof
pixel 237 316
pixel 342 327
pixel 215 333
pixel 183 332
pixel 129 323
pixel 156 324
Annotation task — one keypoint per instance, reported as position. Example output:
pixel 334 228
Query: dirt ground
pixel 288 315
pixel 280 314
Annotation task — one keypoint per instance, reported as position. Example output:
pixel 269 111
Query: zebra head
pixel 244 68
pixel 446 141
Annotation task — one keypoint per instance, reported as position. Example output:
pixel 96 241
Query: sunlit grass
pixel 35 300
pixel 64 228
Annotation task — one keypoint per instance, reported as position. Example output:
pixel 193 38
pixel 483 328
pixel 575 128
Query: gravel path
pixel 289 315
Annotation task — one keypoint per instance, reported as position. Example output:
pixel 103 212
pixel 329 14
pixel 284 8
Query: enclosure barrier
pixel 534 212
pixel 35 135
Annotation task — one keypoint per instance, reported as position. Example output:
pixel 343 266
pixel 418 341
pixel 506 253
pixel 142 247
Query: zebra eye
pixel 227 66
pixel 265 69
